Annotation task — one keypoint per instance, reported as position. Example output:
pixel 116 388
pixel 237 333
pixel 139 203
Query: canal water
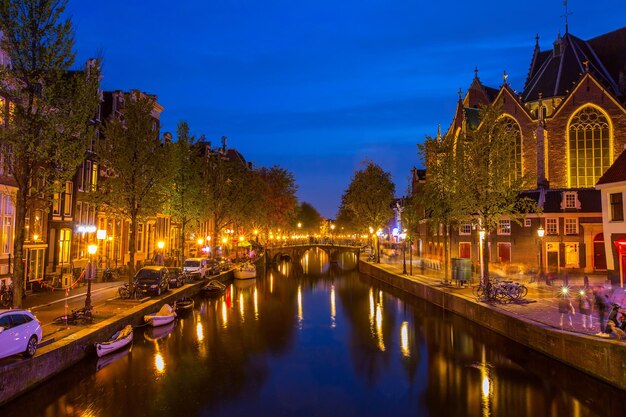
pixel 318 339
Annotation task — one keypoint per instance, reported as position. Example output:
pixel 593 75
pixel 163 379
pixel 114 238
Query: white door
pixel 8 342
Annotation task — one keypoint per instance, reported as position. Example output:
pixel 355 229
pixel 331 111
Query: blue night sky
pixel 320 86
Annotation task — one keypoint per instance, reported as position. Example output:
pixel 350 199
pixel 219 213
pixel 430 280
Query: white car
pixel 20 332
pixel 196 267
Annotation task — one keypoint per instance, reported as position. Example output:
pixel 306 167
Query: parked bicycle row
pixel 500 291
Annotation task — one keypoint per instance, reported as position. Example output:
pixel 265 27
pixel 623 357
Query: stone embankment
pixel 601 358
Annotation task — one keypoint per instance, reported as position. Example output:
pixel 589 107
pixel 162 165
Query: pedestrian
pixel 565 280
pixel 598 301
pixel 584 308
pixel 566 307
pixel 586 282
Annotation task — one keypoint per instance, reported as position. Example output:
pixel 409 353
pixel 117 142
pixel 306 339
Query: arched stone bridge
pixel 295 252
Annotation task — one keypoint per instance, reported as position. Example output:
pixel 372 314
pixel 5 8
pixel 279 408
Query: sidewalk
pixel 38 300
pixel 539 305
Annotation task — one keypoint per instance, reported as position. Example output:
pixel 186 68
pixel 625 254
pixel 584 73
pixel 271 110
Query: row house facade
pixel 570 121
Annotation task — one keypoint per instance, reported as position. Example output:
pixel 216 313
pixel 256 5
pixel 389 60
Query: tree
pixel 412 213
pixel 309 217
pixel 281 200
pixel 47 132
pixel 493 193
pixel 369 198
pixel 132 151
pixel 443 191
pixel 185 193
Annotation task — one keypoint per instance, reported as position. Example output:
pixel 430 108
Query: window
pixel 465 229
pixel 617 207
pixel 79 212
pixel 7 234
pixel 528 223
pixel 505 227
pixel 64 245
pixel 571 255
pixel 3 104
pixel 504 253
pixel 509 127
pixel 67 203
pixel 589 147
pixel 571 226
pixel 570 200
pixel 139 237
pixel 465 250
pixel 552 226
pixel 56 204
pixel 8 204
pixel 94 176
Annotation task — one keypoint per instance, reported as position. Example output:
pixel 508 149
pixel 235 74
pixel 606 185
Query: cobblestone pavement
pixel 540 304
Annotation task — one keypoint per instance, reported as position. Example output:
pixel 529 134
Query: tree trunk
pixel 18 246
pixel 446 253
pixel 182 241
pixel 131 245
pixel 486 259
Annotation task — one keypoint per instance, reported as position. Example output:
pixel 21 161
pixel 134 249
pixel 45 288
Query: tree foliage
pixel 47 128
pixel 280 200
pixel 309 217
pixel 137 161
pixel 369 197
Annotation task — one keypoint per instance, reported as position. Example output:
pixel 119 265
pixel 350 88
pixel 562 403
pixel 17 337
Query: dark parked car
pixel 152 280
pixel 214 267
pixel 176 277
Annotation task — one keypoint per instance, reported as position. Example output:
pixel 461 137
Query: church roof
pixel 616 172
pixel 554 72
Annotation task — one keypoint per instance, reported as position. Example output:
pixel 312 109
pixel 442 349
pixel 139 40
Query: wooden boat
pixel 245 271
pixel 164 316
pixel 183 305
pixel 214 287
pixel 113 357
pixel 119 339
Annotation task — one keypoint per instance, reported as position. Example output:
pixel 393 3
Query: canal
pixel 311 339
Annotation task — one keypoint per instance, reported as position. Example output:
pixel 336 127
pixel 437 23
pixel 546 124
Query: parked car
pixel 20 332
pixel 196 267
pixel 176 277
pixel 152 279
pixel 214 267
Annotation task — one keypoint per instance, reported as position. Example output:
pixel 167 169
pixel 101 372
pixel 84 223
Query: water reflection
pixel 391 355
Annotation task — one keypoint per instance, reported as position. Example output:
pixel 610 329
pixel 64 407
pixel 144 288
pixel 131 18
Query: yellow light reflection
pixel 241 307
pixel 300 315
pixel 271 283
pixel 159 363
pixel 256 304
pixel 379 328
pixel 199 332
pixel 486 385
pixel 404 339
pixel 224 315
pixel 371 304
pixel 333 310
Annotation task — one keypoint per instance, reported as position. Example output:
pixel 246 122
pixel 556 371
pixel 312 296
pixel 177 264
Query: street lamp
pixel 481 235
pixel 540 233
pixel 160 255
pixel 379 233
pixel 332 230
pixel 90 272
pixel 403 237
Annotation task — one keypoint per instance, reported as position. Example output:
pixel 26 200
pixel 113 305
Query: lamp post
pixel 160 255
pixel 403 237
pixel 332 231
pixel 101 235
pixel 379 233
pixel 481 236
pixel 540 233
pixel 89 274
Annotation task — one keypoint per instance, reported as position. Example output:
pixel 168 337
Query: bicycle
pixel 110 274
pixel 6 295
pixel 80 316
pixel 128 291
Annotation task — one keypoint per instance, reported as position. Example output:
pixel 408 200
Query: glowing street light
pixel 540 233
pixel 90 273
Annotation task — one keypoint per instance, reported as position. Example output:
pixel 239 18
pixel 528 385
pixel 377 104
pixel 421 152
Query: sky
pixel 319 87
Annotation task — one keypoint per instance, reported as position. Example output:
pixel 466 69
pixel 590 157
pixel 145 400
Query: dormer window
pixel 570 200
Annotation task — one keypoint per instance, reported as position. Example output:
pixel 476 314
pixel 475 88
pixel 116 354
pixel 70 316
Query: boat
pixel 164 316
pixel 245 271
pixel 113 357
pixel 154 334
pixel 214 287
pixel 119 339
pixel 183 305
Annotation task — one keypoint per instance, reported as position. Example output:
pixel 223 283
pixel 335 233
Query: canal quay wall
pixel 23 375
pixel 601 358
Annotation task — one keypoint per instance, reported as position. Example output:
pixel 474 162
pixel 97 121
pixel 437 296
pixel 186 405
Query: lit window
pixel 505 227
pixel 570 200
pixel 552 226
pixel 94 176
pixel 527 223
pixel 589 147
pixel 571 226
pixel 67 202
pixel 617 207
pixel 7 235
pixel 465 229
pixel 510 128
pixel 56 204
pixel 571 255
pixel 65 236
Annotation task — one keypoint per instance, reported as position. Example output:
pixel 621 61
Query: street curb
pixel 37 307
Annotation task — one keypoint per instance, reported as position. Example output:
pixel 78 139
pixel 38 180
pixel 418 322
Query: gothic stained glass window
pixel 511 127
pixel 589 147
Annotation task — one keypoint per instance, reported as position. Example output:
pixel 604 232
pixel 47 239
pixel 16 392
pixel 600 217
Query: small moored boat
pixel 183 305
pixel 214 287
pixel 245 271
pixel 153 334
pixel 119 339
pixel 164 316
